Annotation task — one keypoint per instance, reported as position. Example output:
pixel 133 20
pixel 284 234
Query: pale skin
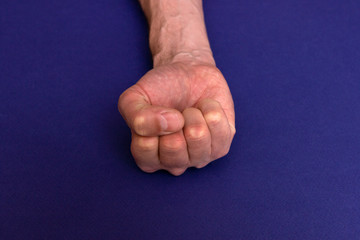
pixel 181 113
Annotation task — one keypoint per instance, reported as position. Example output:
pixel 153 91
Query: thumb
pixel 146 119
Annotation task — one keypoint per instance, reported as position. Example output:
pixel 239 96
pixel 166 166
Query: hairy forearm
pixel 177 31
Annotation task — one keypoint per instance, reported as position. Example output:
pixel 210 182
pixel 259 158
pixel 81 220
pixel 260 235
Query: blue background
pixel 66 171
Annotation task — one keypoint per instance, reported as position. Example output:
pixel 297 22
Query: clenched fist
pixel 181 115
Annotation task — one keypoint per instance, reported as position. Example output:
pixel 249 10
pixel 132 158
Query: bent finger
pixel 173 153
pixel 218 125
pixel 197 137
pixel 145 152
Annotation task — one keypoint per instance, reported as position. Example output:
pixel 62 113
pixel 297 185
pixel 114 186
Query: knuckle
pixel 221 153
pixel 146 144
pixel 213 117
pixel 202 161
pixel 124 98
pixel 121 101
pixel 148 169
pixel 139 124
pixel 196 133
pixel 225 152
pixel 177 171
pixel 147 166
pixel 172 145
pixel 201 165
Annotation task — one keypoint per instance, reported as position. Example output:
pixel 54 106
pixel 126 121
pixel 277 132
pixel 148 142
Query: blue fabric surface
pixel 66 171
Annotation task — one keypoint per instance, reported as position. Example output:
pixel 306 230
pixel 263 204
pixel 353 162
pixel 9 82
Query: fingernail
pixel 171 122
pixel 164 121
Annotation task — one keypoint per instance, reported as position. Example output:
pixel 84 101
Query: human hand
pixel 181 115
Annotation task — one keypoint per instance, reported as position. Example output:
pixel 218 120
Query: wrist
pixel 177 32
pixel 191 56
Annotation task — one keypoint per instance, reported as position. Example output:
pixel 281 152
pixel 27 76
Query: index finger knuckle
pixel 146 144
